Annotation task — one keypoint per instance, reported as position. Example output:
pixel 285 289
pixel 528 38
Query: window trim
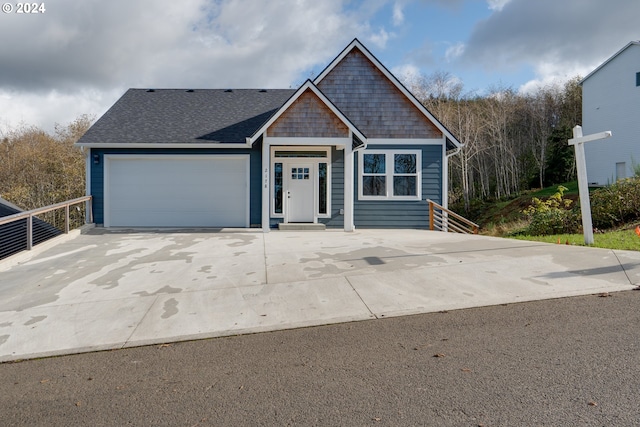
pixel 390 174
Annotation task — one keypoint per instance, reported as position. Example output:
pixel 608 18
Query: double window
pixel 390 175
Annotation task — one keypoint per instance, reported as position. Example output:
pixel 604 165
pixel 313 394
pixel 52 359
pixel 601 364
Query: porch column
pixel 348 188
pixel 265 184
pixel 445 175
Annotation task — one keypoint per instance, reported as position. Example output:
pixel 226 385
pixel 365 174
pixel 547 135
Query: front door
pixel 300 192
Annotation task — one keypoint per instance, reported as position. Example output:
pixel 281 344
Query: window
pixel 277 187
pixel 322 188
pixel 374 175
pixel 388 174
pixel 299 173
pixel 638 79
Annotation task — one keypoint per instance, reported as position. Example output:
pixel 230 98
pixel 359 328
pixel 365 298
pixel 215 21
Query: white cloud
pixel 85 51
pixel 380 38
pixel 398 14
pixel 497 4
pixel 554 73
pixel 556 39
pixel 49 109
pixel 454 52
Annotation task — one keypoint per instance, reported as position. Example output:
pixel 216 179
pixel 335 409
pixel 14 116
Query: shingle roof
pixel 186 116
pixel 7 208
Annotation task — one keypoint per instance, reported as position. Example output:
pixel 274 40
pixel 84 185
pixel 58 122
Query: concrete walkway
pixel 109 289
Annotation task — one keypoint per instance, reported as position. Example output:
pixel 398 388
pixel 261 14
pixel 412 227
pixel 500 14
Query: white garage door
pixel 176 191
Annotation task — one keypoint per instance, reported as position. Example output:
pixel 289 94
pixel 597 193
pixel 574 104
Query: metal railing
pixel 442 219
pixel 23 230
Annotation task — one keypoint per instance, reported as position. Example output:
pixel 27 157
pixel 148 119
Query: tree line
pixel 512 141
pixel 39 169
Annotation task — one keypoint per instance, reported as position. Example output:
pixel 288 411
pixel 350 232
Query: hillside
pixel 615 212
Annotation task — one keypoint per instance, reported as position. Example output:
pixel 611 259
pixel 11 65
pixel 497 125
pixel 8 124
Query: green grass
pixel 624 239
pixel 572 188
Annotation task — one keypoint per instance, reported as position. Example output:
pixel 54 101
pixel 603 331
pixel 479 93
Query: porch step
pixel 298 226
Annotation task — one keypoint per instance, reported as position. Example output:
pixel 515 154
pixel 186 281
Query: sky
pixel 78 57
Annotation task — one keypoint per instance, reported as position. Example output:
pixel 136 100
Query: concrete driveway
pixel 107 289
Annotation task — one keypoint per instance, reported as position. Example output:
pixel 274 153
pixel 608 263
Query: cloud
pixel 93 48
pixel 554 37
pixel 20 108
pixel 454 52
pixel 380 38
pixel 497 4
pixel 398 14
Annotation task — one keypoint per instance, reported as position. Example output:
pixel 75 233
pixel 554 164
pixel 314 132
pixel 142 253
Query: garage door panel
pixel 181 191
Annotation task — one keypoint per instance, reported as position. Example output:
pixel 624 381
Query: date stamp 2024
pixel 24 8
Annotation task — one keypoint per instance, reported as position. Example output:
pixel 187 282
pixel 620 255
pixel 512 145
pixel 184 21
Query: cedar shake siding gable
pixel 308 116
pixel 373 103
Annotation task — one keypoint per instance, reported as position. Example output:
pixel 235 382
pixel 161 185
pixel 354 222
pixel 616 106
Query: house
pixel 351 148
pixel 611 101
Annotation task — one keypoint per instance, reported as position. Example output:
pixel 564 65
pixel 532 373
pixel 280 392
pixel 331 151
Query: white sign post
pixel 583 186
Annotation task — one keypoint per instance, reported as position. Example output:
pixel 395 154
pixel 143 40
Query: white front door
pixel 300 186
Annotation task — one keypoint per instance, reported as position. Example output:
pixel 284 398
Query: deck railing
pixel 23 230
pixel 442 219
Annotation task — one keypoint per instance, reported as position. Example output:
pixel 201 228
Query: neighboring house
pixel 13 236
pixel 611 101
pixel 352 148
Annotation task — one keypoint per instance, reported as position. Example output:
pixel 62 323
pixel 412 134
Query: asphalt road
pixel 564 362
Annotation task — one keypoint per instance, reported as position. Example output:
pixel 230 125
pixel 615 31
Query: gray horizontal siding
pixel 97 174
pixel 337 190
pixel 402 213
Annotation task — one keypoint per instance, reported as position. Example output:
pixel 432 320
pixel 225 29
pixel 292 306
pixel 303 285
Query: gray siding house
pixel 611 101
pixel 351 148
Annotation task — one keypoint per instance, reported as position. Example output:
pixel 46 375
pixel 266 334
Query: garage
pixel 176 191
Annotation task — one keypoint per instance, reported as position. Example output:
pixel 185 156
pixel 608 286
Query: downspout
pixel 87 181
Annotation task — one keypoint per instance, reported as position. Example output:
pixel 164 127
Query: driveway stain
pixel 205 269
pixel 164 290
pixel 6 324
pixel 34 319
pixel 4 338
pixel 170 308
pixel 244 239
pixel 379 258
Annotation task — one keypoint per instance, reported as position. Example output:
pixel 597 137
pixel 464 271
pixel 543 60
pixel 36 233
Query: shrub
pixel 551 216
pixel 616 204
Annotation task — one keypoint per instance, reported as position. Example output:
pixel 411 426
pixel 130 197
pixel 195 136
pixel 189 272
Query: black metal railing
pixel 23 230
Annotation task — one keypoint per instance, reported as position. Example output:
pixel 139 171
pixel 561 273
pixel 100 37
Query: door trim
pixel 286 162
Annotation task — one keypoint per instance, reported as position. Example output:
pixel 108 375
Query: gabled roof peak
pixel 631 43
pixel 306 86
pixel 356 44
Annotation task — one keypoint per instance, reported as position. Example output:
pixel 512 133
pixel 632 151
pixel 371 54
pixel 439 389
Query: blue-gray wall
pixel 337 190
pixel 367 214
pixel 97 174
pixel 402 213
